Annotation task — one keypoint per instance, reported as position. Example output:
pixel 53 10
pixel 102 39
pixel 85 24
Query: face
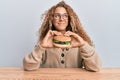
pixel 60 19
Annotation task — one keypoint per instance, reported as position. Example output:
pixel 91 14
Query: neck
pixel 63 32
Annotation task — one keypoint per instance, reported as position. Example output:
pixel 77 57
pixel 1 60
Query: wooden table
pixel 14 73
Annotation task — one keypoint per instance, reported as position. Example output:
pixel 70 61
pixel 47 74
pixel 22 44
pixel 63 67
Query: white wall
pixel 20 21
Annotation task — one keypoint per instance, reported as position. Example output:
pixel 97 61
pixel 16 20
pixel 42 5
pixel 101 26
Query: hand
pixel 76 39
pixel 48 40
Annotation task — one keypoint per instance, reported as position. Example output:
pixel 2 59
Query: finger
pixel 56 33
pixel 51 32
pixel 69 33
pixel 72 34
pixel 66 34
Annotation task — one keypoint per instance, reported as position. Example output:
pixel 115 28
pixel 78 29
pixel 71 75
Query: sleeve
pixel 33 60
pixel 91 60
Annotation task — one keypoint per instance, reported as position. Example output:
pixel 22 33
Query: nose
pixel 61 18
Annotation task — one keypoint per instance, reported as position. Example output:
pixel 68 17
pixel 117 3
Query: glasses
pixel 59 16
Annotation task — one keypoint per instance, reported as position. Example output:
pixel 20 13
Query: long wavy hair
pixel 74 23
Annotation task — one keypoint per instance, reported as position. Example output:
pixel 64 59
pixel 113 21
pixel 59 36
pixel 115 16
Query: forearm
pixel 32 61
pixel 91 60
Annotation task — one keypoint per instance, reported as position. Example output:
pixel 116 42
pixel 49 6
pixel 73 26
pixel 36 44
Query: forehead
pixel 61 10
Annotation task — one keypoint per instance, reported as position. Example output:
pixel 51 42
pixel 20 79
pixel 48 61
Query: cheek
pixel 67 22
pixel 54 22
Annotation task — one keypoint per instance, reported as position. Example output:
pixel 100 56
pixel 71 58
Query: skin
pixel 60 26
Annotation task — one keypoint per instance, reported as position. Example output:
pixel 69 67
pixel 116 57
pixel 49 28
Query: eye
pixel 65 16
pixel 56 16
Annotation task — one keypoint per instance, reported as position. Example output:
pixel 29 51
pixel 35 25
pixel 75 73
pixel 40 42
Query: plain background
pixel 20 21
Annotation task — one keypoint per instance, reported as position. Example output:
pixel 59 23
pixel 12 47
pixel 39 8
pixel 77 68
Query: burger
pixel 61 41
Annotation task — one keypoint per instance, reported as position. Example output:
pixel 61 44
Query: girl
pixel 62 20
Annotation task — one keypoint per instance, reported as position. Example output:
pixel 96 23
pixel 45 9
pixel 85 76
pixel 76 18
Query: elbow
pixel 97 69
pixel 27 66
pixel 29 69
pixel 94 68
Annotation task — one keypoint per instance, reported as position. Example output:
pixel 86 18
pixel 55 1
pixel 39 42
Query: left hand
pixel 76 40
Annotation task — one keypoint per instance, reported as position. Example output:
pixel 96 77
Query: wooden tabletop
pixel 14 73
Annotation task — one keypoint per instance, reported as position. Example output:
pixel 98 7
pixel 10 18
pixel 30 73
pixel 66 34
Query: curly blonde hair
pixel 74 24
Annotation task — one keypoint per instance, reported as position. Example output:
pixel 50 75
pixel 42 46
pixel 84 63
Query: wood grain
pixel 14 73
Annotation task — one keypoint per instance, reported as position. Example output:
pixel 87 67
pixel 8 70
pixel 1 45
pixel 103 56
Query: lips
pixel 61 22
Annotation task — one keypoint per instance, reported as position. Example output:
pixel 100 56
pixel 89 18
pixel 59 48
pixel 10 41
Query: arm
pixel 91 60
pixel 33 60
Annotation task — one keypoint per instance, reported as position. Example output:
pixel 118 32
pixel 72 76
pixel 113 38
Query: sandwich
pixel 61 41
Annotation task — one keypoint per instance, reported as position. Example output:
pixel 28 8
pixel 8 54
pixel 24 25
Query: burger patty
pixel 61 42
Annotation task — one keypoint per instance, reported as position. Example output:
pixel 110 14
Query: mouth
pixel 60 23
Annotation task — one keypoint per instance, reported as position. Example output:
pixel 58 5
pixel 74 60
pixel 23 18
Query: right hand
pixel 48 39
